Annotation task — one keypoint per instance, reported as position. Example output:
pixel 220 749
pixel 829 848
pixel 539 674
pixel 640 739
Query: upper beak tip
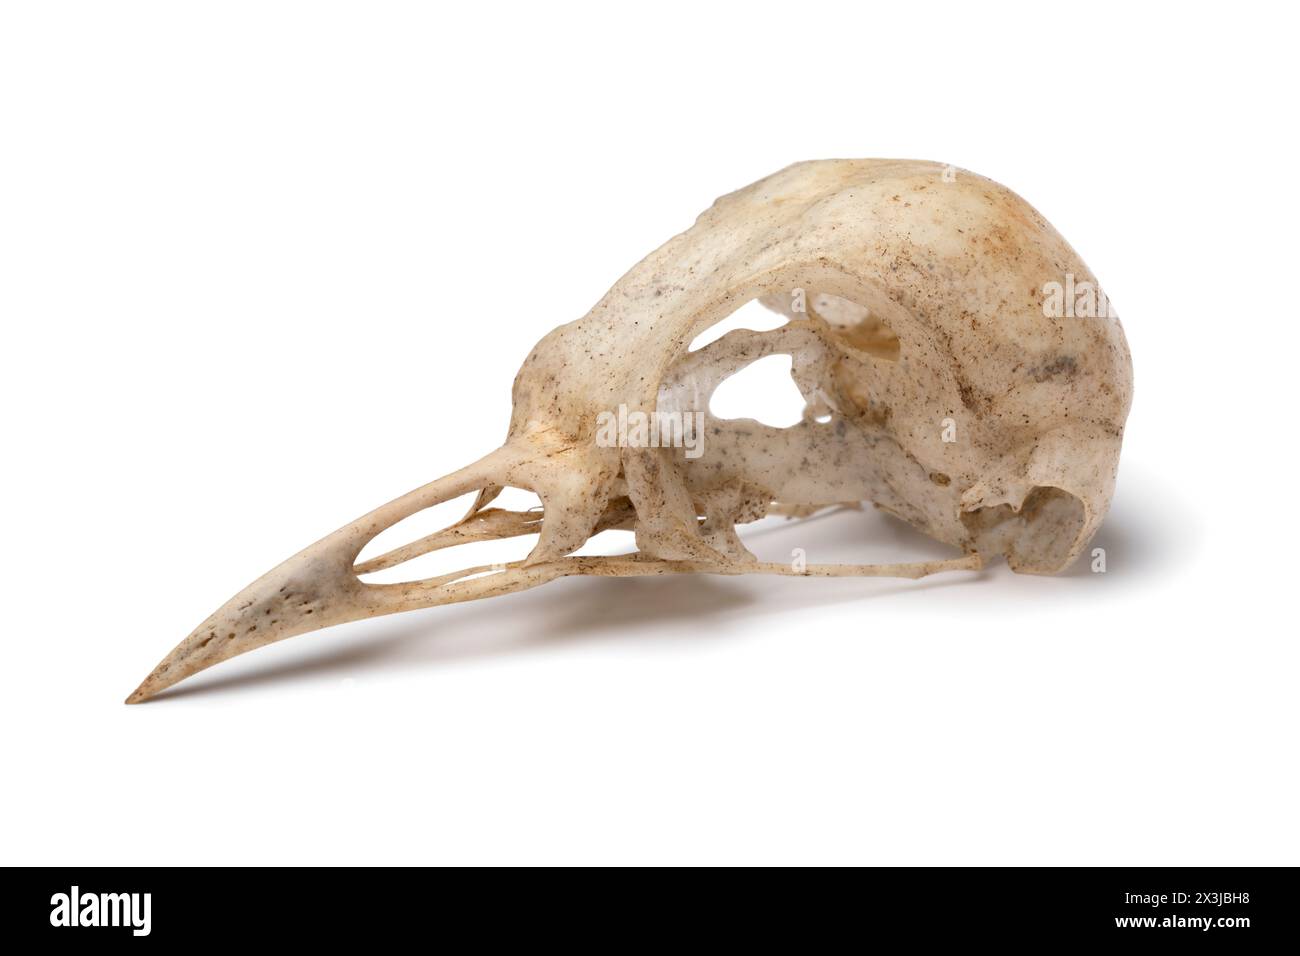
pixel 140 694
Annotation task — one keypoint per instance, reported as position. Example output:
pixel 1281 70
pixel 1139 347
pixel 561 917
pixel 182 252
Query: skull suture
pixel 938 387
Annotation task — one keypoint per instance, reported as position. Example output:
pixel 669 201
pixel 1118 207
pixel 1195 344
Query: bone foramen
pixel 938 387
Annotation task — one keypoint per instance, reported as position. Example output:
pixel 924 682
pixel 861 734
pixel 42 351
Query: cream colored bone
pixel 938 387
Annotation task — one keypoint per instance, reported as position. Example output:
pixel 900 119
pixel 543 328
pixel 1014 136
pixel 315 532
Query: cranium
pixel 938 386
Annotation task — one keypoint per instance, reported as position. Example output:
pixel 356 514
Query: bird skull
pixel 959 363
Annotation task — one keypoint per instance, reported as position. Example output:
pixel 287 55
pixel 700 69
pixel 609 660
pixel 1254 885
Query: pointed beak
pixel 313 589
pixel 316 588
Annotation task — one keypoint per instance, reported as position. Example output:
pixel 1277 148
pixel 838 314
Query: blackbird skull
pixel 960 366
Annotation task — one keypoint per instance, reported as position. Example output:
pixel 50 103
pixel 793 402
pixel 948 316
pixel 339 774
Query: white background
pixel 265 266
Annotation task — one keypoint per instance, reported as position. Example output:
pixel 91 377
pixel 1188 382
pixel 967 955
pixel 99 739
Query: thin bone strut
pixel 490 525
pixel 488 580
pixel 495 524
pixel 632 565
